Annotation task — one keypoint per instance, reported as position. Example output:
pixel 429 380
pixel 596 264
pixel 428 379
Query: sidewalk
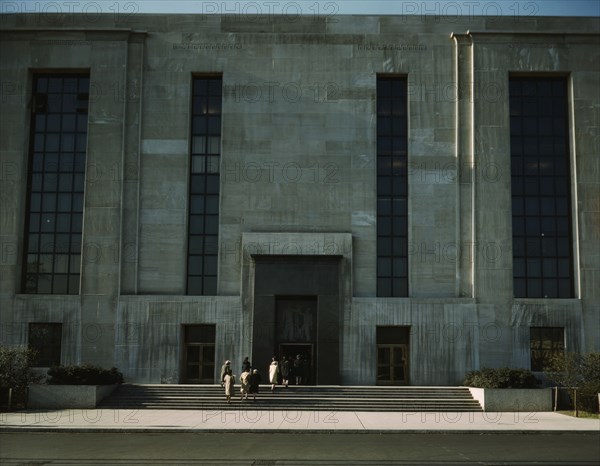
pixel 256 421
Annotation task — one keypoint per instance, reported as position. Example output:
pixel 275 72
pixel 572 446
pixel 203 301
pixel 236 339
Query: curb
pixel 146 430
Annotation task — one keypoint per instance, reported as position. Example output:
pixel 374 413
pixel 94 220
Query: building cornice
pixel 131 35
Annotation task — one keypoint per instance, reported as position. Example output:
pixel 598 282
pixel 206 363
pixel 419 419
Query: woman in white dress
pixel 229 382
pixel 273 373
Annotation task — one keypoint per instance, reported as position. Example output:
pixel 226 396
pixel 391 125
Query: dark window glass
pixel 546 344
pixel 212 224
pixel 200 333
pixel 195 265
pixel 45 340
pixel 204 186
pixel 541 213
pixel 392 335
pixel 392 187
pixel 195 244
pixel 210 285
pixel 211 245
pixel 56 183
pixel 63 223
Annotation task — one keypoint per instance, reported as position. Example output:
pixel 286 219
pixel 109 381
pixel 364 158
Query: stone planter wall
pixel 67 396
pixel 513 399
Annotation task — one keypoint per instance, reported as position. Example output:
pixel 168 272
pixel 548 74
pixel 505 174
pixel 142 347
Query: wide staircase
pixel 310 398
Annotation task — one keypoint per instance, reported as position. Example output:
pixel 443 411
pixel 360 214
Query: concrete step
pixel 250 406
pixel 292 388
pixel 312 398
pixel 292 394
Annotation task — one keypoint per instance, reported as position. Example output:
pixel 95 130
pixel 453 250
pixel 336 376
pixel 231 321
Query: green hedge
pixel 503 377
pixel 16 372
pixel 16 364
pixel 581 371
pixel 84 375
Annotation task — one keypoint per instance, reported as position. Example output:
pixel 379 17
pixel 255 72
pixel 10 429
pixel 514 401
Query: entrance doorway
pixel 199 354
pixel 392 362
pixel 296 334
pixel 303 366
pixel 297 300
pixel 392 355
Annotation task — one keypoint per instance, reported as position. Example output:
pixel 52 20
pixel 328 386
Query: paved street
pixel 242 420
pixel 232 448
pixel 178 437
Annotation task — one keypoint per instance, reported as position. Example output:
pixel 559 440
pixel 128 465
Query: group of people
pixel 296 369
pixel 249 380
pixel 250 377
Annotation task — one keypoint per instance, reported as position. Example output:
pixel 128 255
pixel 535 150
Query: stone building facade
pixel 226 185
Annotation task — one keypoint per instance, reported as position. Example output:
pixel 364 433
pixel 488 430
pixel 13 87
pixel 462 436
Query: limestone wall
pixel 298 156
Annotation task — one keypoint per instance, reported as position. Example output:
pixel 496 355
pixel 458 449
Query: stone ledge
pixel 512 400
pixel 68 396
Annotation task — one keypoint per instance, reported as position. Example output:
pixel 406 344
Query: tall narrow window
pixel 56 177
pixel 45 340
pixel 541 188
pixel 203 240
pixel 392 187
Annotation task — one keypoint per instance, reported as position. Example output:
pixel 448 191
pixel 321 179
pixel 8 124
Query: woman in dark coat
pixel 246 365
pixel 286 367
pixel 255 380
pixel 298 369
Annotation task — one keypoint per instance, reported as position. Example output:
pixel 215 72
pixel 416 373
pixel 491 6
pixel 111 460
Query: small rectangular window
pixel 45 340
pixel 199 354
pixel 546 344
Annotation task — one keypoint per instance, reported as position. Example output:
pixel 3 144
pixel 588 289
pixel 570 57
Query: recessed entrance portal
pixel 296 310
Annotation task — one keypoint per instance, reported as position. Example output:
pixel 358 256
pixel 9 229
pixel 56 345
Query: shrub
pixel 16 366
pixel 581 371
pixel 16 371
pixel 503 377
pixel 84 375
